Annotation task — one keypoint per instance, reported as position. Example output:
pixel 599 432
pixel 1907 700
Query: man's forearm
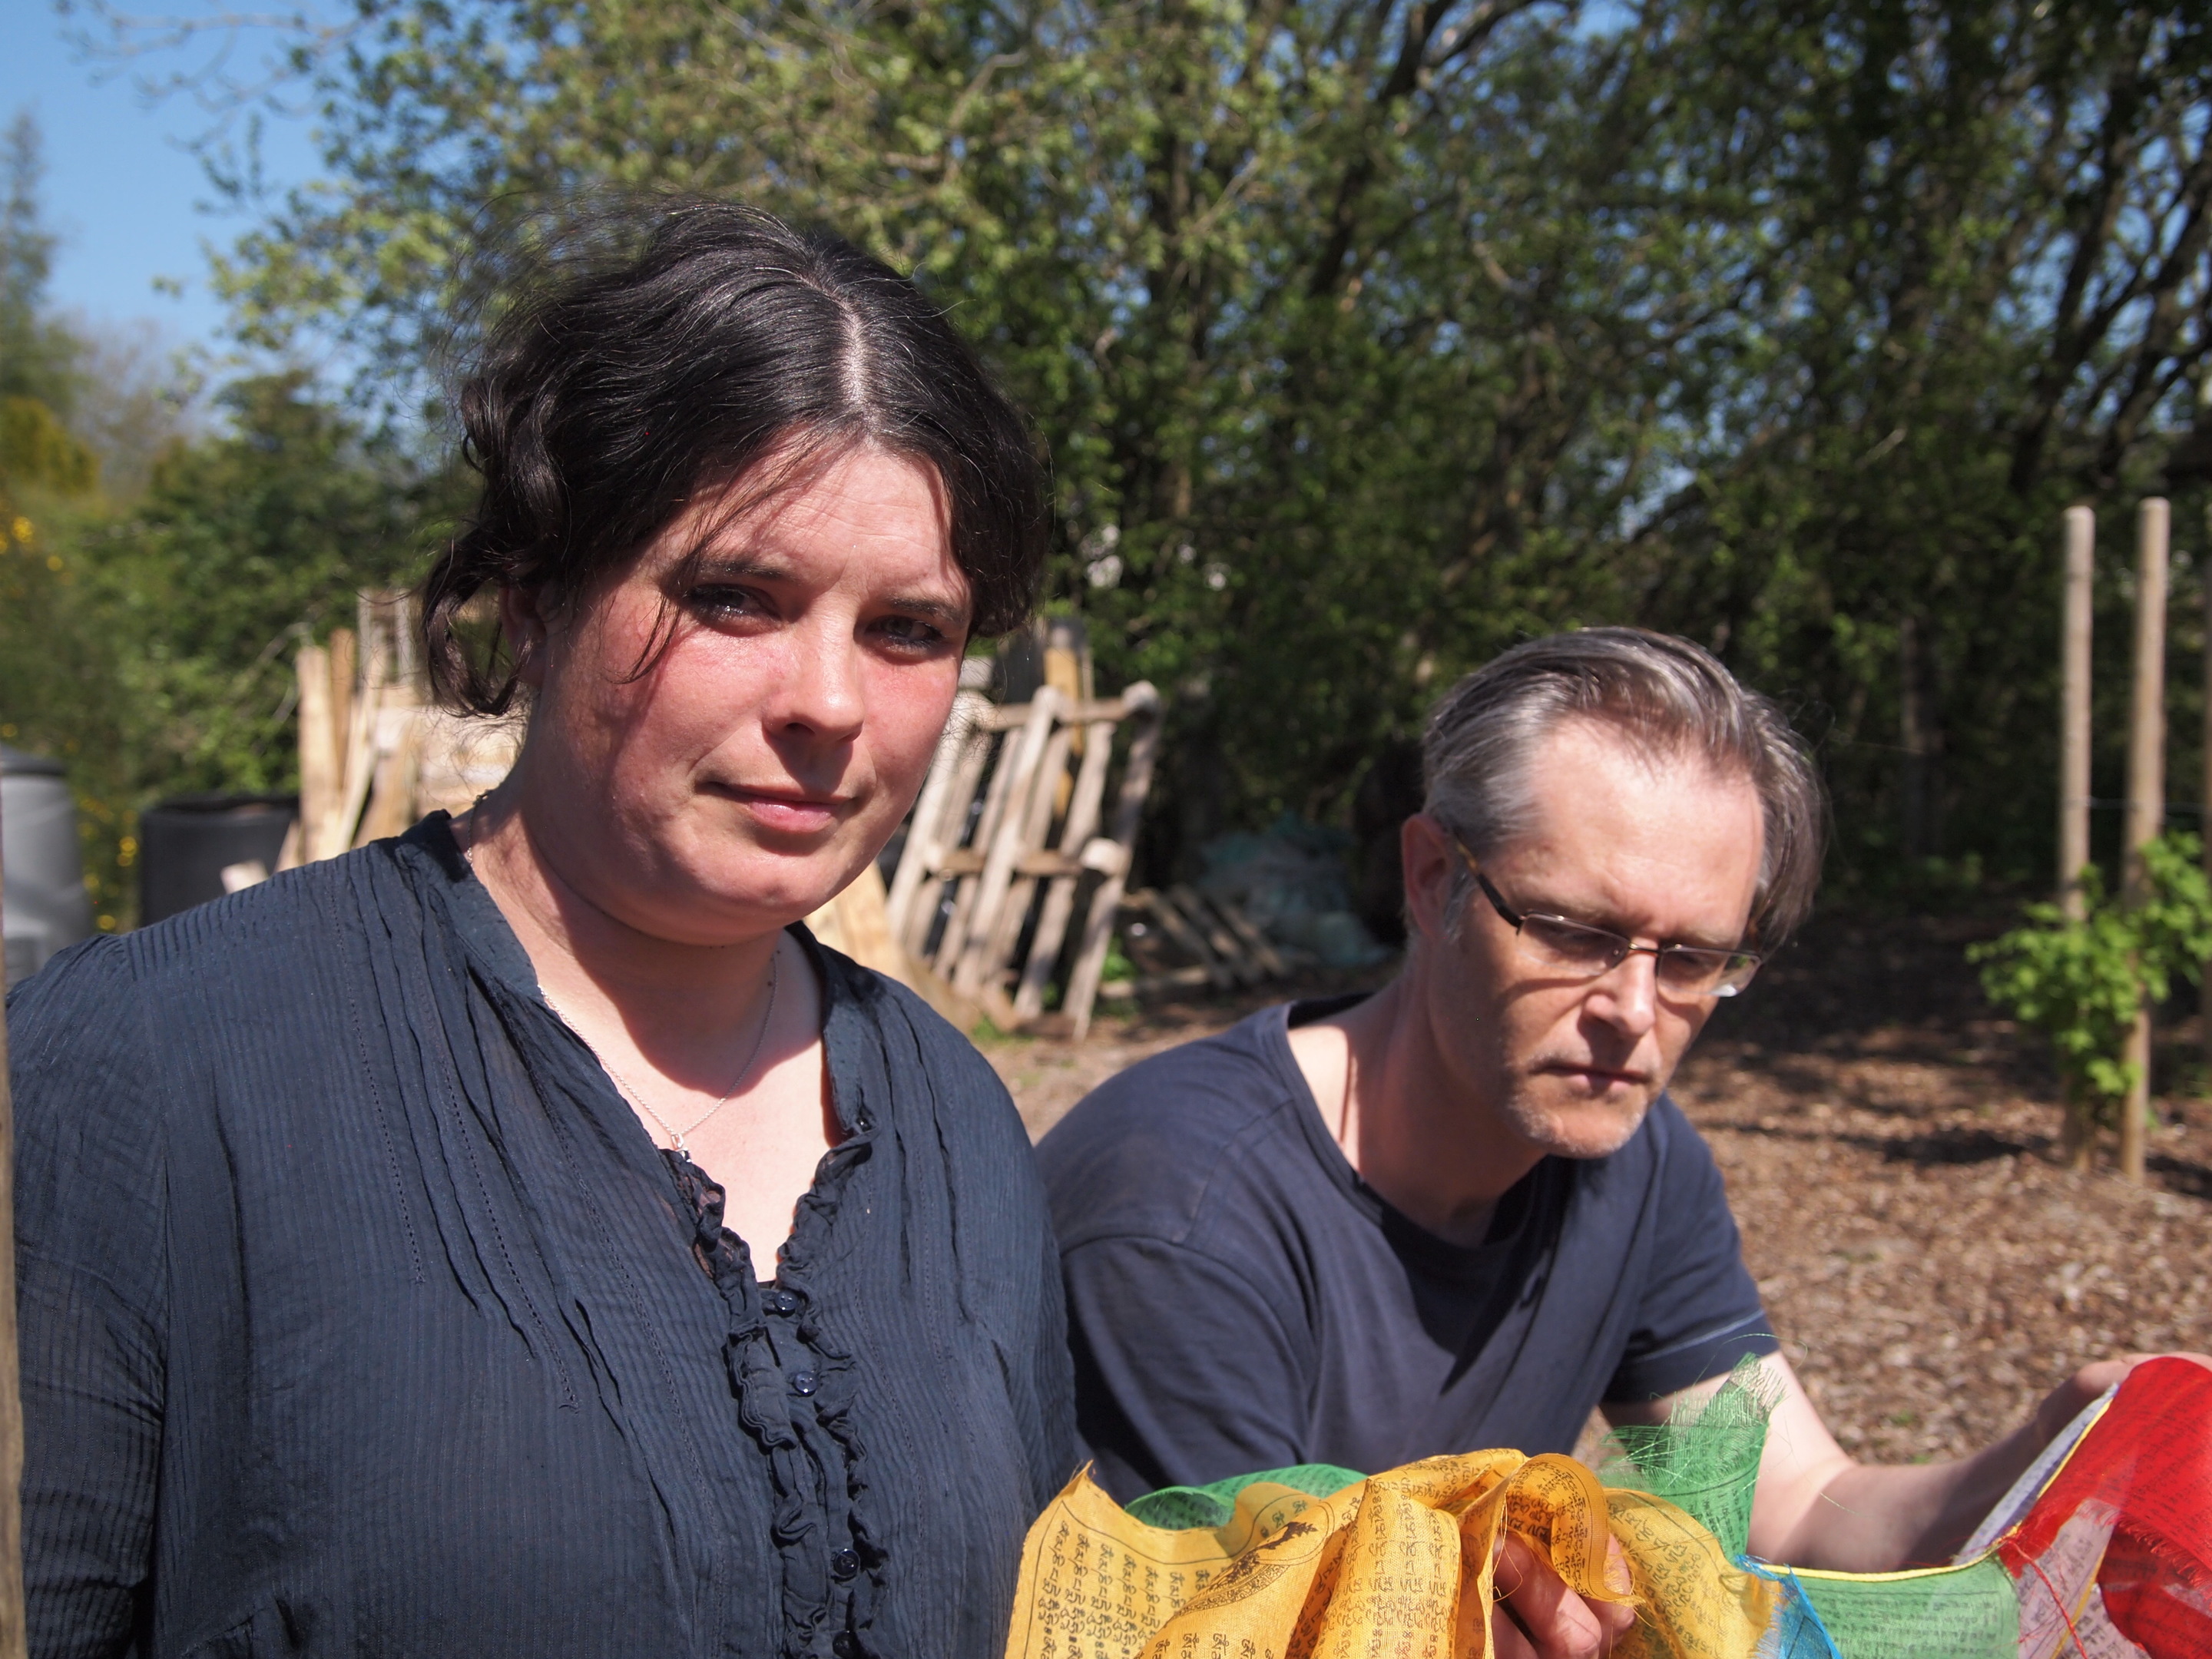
pixel 1817 1507
pixel 1875 1518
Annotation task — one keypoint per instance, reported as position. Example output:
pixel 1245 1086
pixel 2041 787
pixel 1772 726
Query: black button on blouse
pixel 360 1315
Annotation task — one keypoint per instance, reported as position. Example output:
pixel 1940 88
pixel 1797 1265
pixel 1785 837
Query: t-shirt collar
pixel 1412 1241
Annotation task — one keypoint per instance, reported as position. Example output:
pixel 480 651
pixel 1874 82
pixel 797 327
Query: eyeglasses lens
pixel 1706 973
pixel 1569 944
pixel 1682 969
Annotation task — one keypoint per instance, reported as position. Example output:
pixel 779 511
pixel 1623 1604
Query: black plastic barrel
pixel 46 905
pixel 187 841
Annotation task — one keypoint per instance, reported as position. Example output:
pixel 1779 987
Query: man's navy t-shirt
pixel 1239 1299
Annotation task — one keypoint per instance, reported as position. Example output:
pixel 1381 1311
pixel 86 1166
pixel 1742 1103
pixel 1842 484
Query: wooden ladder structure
pixel 374 754
pixel 1006 831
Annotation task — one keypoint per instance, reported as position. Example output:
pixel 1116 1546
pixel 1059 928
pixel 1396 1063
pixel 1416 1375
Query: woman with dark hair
pixel 520 1237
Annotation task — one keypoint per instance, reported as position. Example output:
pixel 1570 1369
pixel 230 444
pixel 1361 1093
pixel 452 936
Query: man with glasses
pixel 1462 1212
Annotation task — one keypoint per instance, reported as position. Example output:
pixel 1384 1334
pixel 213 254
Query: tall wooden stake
pixel 2146 786
pixel 2074 705
pixel 2204 986
pixel 15 1640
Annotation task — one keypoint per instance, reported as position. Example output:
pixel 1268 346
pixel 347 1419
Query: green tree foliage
pixel 36 449
pixel 152 649
pixel 1335 364
pixel 1983 296
pixel 2080 983
pixel 80 408
pixel 1368 337
pixel 38 357
pixel 60 691
pixel 147 637
pixel 138 399
pixel 245 546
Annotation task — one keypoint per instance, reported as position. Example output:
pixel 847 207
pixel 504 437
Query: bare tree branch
pixel 115 40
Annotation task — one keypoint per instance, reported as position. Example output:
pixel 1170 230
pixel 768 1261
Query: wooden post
pixel 2074 706
pixel 955 940
pixel 345 674
pixel 2204 986
pixel 2145 787
pixel 320 785
pixel 1144 709
pixel 396 776
pixel 358 738
pixel 926 829
pixel 1047 788
pixel 974 968
pixel 15 1641
pixel 1089 793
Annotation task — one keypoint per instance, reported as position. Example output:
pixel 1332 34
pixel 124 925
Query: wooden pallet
pixel 1006 839
pixel 1226 951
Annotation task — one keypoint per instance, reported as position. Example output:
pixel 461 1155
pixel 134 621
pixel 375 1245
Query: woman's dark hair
pixel 612 393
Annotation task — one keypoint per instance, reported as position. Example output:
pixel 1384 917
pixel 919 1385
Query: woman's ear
pixel 522 625
pixel 1427 852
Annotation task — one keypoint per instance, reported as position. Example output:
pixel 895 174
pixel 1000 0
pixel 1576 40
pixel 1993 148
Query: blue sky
pixel 121 190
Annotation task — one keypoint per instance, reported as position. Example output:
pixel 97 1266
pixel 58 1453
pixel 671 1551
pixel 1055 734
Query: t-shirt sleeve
pixel 91 1296
pixel 1700 1312
pixel 1184 1373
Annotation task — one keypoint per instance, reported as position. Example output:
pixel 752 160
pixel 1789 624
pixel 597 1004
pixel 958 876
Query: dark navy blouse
pixel 361 1315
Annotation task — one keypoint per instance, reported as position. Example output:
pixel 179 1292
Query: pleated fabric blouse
pixel 361 1315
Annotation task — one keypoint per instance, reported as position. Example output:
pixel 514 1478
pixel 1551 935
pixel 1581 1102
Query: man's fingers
pixel 2062 1402
pixel 2128 1362
pixel 1615 1617
pixel 1558 1623
pixel 1618 1578
pixel 1506 1641
pixel 2097 1376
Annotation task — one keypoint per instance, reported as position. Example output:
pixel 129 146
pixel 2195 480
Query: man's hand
pixel 1536 1616
pixel 1817 1506
pixel 2064 1403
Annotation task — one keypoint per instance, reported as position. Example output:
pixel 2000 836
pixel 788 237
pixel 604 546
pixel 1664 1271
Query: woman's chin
pixel 707 911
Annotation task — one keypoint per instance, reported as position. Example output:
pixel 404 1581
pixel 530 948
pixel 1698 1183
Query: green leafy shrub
pixel 2081 982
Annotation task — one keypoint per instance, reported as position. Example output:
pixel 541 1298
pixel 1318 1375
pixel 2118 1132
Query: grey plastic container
pixel 47 908
pixel 187 842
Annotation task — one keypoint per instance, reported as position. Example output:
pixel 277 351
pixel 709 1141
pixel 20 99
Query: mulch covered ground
pixel 1890 1150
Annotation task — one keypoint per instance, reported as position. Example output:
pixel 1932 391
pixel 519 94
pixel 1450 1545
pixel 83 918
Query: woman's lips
pixel 792 813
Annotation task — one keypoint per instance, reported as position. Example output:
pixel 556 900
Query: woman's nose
pixel 821 694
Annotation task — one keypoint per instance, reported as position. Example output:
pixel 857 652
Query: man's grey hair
pixel 1670 698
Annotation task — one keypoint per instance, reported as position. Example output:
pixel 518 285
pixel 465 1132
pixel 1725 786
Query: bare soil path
pixel 1889 1144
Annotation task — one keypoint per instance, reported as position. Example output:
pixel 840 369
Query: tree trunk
pixel 1921 738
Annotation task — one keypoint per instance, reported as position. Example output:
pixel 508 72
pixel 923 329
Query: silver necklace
pixel 676 1136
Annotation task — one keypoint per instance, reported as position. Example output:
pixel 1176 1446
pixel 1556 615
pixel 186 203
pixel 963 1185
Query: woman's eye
pixel 911 634
pixel 719 604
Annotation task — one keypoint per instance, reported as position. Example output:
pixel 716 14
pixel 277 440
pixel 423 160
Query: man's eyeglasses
pixel 1576 949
